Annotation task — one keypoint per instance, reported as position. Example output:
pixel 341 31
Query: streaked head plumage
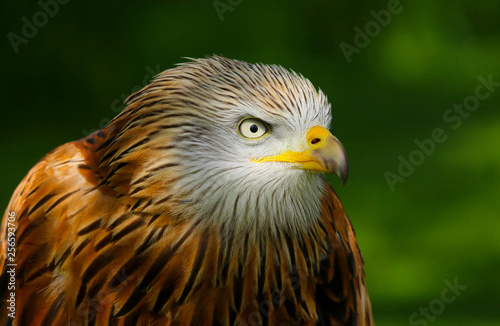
pixel 202 159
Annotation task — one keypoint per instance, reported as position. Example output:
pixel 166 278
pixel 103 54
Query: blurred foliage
pixel 441 223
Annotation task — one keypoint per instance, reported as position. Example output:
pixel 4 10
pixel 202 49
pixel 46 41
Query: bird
pixel 204 202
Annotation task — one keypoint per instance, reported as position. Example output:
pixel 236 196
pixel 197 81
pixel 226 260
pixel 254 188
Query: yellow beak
pixel 325 154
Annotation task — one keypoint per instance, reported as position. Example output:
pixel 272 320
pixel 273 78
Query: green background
pixel 441 223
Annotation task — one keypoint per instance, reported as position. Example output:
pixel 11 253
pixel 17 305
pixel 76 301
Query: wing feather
pixel 95 248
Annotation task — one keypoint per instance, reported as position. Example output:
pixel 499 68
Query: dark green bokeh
pixel 441 223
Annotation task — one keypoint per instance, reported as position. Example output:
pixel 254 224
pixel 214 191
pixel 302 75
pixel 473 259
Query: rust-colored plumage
pixel 146 222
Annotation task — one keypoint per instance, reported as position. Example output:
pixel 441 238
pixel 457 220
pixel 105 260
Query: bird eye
pixel 252 128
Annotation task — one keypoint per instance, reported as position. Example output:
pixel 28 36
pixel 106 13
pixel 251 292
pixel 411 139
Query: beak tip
pixel 342 166
pixel 343 176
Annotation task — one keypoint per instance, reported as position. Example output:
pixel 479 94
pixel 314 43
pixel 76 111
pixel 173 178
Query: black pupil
pixel 254 128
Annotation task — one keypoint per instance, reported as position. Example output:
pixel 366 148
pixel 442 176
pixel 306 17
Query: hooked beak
pixel 325 153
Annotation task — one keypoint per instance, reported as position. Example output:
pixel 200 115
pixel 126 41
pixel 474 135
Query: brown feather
pixel 100 241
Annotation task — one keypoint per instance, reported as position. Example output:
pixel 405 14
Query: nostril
pixel 315 141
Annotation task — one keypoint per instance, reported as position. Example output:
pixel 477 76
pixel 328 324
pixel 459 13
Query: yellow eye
pixel 252 128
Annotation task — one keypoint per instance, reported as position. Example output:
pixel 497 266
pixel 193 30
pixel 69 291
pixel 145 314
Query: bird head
pixel 229 138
